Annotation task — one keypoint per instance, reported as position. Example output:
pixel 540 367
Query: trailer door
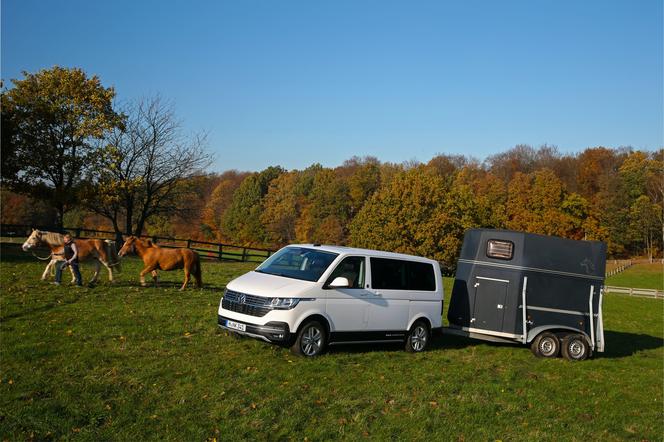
pixel 489 305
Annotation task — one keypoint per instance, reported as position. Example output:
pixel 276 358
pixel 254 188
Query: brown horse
pixel 157 258
pixel 97 250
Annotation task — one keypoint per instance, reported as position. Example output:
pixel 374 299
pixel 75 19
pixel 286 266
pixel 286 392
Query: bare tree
pixel 143 169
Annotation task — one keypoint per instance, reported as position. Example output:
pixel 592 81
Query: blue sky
pixel 298 82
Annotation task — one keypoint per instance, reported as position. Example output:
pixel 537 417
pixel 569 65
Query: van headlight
pixel 283 303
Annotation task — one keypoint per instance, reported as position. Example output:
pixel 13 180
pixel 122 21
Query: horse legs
pixel 48 269
pixel 155 278
pixel 96 274
pixel 145 271
pixel 73 277
pixel 110 270
pixel 186 278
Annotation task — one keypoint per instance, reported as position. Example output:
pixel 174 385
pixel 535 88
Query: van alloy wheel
pixel 418 338
pixel 311 339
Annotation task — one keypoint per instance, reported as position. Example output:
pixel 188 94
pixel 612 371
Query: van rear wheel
pixel 545 345
pixel 418 337
pixel 311 339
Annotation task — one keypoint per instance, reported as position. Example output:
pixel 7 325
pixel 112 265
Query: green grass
pixel 642 275
pixel 124 362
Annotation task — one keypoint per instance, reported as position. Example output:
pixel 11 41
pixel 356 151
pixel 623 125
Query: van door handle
pixel 377 295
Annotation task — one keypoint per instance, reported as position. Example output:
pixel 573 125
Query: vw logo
pixel 242 298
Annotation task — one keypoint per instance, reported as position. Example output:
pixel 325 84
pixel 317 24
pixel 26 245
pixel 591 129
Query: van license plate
pixel 236 325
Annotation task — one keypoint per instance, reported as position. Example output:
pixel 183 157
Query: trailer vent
pixel 500 249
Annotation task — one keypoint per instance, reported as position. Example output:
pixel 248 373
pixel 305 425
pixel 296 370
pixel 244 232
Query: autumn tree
pixel 414 214
pixel 489 195
pixel 644 224
pixel 538 203
pixel 363 177
pixel 505 165
pixel 141 171
pixel 21 209
pixel 219 201
pixel 50 122
pixel 241 222
pixel 282 207
pixel 326 212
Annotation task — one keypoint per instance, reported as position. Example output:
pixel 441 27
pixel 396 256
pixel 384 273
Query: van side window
pixel 421 276
pixel 351 268
pixel 395 274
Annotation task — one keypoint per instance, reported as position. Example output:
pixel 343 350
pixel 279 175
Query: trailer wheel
pixel 418 337
pixel 545 345
pixel 575 347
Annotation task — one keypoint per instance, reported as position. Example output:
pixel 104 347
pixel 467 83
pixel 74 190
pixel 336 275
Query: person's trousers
pixel 59 267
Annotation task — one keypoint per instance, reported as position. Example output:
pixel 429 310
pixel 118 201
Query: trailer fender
pixel 532 334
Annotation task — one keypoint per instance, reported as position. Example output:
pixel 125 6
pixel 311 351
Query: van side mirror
pixel 339 283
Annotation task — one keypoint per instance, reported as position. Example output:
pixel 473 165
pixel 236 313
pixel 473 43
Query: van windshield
pixel 298 263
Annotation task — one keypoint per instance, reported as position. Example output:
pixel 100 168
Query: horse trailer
pixel 531 289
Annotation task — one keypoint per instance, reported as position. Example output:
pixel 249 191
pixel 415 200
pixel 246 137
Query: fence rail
pixel 206 249
pixel 624 265
pixel 649 293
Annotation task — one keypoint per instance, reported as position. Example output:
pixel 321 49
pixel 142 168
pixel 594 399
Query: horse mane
pixel 53 238
pixel 149 243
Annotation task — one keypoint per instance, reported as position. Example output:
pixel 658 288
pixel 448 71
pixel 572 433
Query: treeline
pixel 613 195
pixel 70 156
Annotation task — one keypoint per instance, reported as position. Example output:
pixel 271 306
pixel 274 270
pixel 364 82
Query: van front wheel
pixel 311 340
pixel 418 337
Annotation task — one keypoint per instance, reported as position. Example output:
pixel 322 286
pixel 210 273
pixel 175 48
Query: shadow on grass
pixel 437 342
pixel 175 285
pixel 59 302
pixel 623 344
pixel 619 344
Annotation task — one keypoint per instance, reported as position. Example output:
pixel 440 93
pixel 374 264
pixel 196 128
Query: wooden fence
pixel 206 249
pixel 622 266
pixel 649 293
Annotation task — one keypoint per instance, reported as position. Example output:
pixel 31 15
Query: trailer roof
pixel 534 251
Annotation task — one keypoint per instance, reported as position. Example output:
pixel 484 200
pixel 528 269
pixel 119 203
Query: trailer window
pixel 500 249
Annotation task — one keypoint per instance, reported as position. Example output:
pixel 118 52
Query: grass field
pixel 124 362
pixel 641 275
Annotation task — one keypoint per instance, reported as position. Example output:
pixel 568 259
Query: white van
pixel 310 296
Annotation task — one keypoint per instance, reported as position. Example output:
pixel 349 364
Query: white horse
pixel 97 250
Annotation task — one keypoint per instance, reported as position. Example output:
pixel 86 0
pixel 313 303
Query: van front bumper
pixel 271 332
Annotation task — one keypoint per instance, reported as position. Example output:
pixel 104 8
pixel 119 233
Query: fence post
pixel 154 240
pixel 189 243
pixel 244 254
pixel 78 233
pixel 221 251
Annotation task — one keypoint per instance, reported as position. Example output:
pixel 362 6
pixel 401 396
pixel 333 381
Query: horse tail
pixel 112 255
pixel 196 270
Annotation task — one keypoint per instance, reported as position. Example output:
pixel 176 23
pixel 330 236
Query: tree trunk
pixel 140 224
pixel 119 240
pixel 129 219
pixel 60 215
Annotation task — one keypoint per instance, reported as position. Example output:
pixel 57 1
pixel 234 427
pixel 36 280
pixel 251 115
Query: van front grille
pixel 245 304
